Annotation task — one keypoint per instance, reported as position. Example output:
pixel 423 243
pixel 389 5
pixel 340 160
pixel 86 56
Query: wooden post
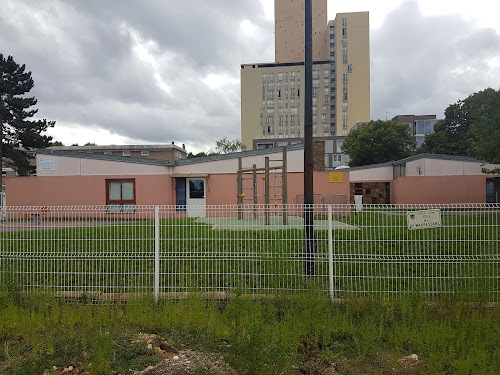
pixel 254 174
pixel 266 184
pixel 284 185
pixel 240 189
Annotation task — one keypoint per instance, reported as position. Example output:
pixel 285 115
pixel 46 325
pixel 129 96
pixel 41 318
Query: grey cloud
pixel 421 64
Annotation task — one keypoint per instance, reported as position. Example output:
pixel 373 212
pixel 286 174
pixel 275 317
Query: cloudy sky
pixel 156 71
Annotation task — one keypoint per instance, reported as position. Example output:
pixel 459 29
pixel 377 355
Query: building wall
pixel 71 166
pixel 439 189
pixel 372 174
pixel 151 189
pixel 84 190
pixel 357 43
pixel 255 80
pixel 289 30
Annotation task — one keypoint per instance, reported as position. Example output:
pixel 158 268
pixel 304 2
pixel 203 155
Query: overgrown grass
pixel 306 334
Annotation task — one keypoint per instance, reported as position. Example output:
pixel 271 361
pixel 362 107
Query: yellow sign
pixel 335 177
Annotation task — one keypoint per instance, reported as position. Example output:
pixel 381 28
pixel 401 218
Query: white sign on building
pixel 424 219
pixel 47 164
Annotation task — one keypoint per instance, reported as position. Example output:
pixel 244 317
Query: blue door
pixel 180 187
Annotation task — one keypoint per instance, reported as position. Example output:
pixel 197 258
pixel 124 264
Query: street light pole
pixel 308 145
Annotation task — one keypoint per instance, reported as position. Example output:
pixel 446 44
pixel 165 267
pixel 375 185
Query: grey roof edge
pixel 127 159
pixel 87 155
pixel 233 155
pixel 417 157
pixel 119 147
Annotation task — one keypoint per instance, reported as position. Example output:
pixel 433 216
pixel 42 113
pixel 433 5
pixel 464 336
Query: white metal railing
pixel 251 249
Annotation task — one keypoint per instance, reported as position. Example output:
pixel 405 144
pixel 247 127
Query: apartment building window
pixel 344 50
pixel 344 22
pixel 314 92
pixel 270 112
pixel 280 76
pixel 344 115
pixel 344 124
pixel 271 76
pixel 344 41
pixel 278 85
pixel 270 129
pixel 326 99
pixel 344 106
pixel 292 85
pixel 315 118
pixel 286 76
pixel 315 83
pixel 344 32
pixel 345 87
pixel 344 77
pixel 280 120
pixel 323 108
pixel 349 68
pixel 292 120
pixel 292 93
pixel 314 108
pixel 270 94
pixel 345 96
pixel 326 73
pixel 293 111
pixel 292 102
pixel 280 129
pixel 344 59
pixel 298 120
pixel 270 85
pixel 315 74
pixel 286 120
pixel 298 76
pixel 292 76
pixel 270 104
pixel 120 195
pixel 280 103
pixel 264 77
pixel 323 118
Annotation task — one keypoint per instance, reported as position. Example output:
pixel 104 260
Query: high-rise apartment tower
pixel 272 103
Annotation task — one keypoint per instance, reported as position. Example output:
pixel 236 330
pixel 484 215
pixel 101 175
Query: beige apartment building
pixel 272 103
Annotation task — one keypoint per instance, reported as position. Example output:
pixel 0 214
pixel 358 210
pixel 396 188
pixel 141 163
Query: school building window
pixel 120 195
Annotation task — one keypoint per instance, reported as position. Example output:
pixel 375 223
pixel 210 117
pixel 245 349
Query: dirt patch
pixel 180 361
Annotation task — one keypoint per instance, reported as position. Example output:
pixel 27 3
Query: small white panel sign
pixel 424 219
pixel 47 164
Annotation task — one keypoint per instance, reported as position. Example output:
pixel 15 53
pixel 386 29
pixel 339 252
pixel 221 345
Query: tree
pixel 17 132
pixel 379 142
pixel 225 146
pixel 471 128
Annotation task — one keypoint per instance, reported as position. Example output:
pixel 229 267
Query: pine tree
pixel 18 132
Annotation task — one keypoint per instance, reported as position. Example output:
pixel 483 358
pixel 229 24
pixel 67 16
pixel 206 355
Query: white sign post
pixel 424 219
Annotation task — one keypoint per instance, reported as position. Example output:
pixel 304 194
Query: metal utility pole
pixel 308 145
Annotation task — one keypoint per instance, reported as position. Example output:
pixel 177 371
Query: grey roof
pixel 161 147
pixel 417 157
pixel 88 155
pixel 127 159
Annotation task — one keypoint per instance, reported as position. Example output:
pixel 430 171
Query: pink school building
pixel 67 178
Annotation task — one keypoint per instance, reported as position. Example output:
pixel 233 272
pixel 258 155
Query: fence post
pixel 157 253
pixel 330 249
